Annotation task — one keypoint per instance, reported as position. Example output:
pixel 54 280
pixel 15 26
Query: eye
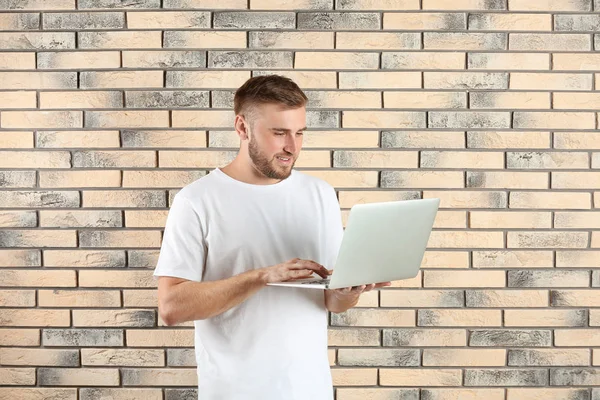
pixel 300 133
pixel 280 133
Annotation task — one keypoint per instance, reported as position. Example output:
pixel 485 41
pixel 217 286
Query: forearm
pixel 339 305
pixel 189 301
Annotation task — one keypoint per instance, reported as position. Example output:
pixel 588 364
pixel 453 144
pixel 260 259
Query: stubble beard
pixel 268 167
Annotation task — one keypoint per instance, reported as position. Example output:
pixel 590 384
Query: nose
pixel 290 144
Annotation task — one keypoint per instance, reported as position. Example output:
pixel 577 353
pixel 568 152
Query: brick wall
pixel 108 107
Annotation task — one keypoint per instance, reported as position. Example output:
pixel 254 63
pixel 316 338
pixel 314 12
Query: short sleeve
pixel 183 248
pixel 334 228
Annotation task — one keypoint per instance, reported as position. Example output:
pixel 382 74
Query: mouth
pixel 284 160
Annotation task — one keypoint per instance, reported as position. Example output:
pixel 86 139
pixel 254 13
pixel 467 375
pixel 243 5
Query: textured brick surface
pixel 109 107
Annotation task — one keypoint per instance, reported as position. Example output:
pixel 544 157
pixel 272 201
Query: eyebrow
pixel 287 130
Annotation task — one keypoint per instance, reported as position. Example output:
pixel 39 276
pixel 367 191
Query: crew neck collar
pixel 271 186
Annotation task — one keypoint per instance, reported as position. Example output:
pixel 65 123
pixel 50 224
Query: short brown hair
pixel 268 89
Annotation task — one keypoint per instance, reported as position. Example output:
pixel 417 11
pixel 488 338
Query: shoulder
pixel 196 192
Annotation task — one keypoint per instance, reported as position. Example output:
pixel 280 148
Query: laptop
pixel 382 242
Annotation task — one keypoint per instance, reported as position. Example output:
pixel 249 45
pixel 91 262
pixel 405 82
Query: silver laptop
pixel 382 242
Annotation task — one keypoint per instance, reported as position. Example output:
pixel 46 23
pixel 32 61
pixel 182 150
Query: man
pixel 252 222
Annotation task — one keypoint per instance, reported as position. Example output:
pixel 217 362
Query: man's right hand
pixel 292 270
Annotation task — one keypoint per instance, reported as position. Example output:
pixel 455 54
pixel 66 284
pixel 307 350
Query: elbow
pixel 167 314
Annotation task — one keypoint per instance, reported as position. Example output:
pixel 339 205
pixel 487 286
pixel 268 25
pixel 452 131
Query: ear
pixel 241 127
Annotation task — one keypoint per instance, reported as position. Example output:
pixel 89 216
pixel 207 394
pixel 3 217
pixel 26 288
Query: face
pixel 275 139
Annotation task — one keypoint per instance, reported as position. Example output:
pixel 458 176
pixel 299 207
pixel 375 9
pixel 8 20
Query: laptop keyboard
pixel 317 281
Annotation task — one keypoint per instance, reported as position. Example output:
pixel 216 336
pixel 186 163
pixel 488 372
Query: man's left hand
pixel 356 291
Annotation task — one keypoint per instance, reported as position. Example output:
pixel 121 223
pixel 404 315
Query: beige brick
pixel 146 219
pixel 79 298
pixel 19 219
pixel 575 298
pixel 546 160
pixel 594 321
pixel 155 179
pixel 550 200
pixel 445 259
pixel 18 100
pixel 76 219
pixel 374 159
pixel 218 4
pixel 120 394
pixel 81 139
pixel 188 159
pixel 170 138
pixel 44 357
pixel 84 258
pixel 465 279
pixel 164 59
pixel 545 318
pixel 464 357
pixel 464 41
pixel 548 5
pixel 336 60
pixel 581 220
pixel 423 139
pixel 116 158
pixel 353 337
pixel 450 219
pixel 512 259
pixel 78 377
pixel 81 99
pixel 549 42
pixel 424 337
pixel 354 376
pixel 508 61
pixel 383 119
pixel 39 238
pixel 123 198
pixel 41 119
pixel 16 139
pixel 577 259
pixel 350 198
pixel 421 298
pixel 140 298
pixel 510 22
pixel 554 120
pixel 347 179
pixel 507 298
pixel 463 5
pixel 577 337
pixel 337 139
pixel 18 60
pixel 20 278
pixel 38 80
pixel 461 159
pixel 510 219
pixel 424 60
pixel 123 357
pixel 168 19
pixel 375 5
pixel 374 317
pixel 291 40
pixel 20 258
pixel 17 376
pixel 332 99
pixel 425 99
pixel 422 179
pixel 595 240
pixel 129 279
pixel 465 80
pixel 378 357
pixel 408 283
pixel 424 21
pixel 464 394
pixel 36 393
pixel 547 239
pixel 74 179
pixel 17 298
pixel 127 119
pixel 576 61
pixel 468 199
pixel 209 118
pixel 507 140
pixel 119 40
pixel 459 318
pixel 550 81
pixel 160 338
pixel 307 79
pixel 508 180
pixel 122 79
pixel 420 377
pixel 544 393
pixel 114 318
pixel 581 101
pixel 78 60
pixel 379 80
pixel 377 40
pixel 33 317
pixel 128 238
pixel 209 39
pixel 19 337
pixel 513 101
pixel 37 40
pixel 35 159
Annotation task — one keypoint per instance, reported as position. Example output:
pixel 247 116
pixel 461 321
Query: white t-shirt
pixel 273 346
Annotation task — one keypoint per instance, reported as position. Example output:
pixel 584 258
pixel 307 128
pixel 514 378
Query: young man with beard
pixel 252 222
